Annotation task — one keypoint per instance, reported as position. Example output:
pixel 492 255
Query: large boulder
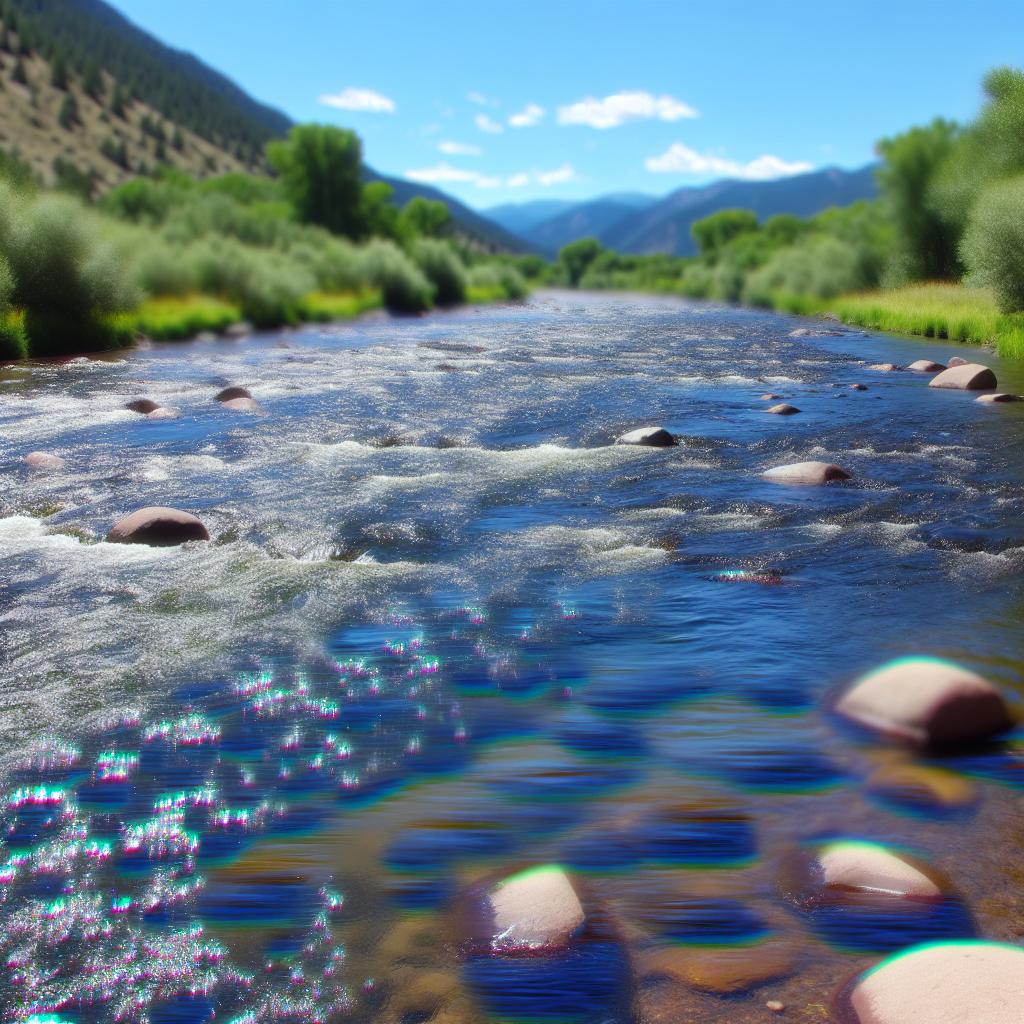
pixel 784 410
pixel 227 394
pixel 928 702
pixel 537 909
pixel 242 405
pixel 143 406
pixel 964 982
pixel 968 377
pixel 926 366
pixel 851 866
pixel 998 396
pixel 44 461
pixel 158 527
pixel 806 473
pixel 652 437
pixel 162 412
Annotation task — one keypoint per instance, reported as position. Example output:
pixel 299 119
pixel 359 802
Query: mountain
pixel 665 226
pixel 594 217
pixel 519 218
pixel 88 99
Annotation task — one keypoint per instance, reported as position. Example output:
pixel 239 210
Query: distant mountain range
pixel 636 223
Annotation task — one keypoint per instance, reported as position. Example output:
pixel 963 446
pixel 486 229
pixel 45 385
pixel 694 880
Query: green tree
pixel 59 72
pixel 577 256
pixel 426 218
pixel 178 140
pixel 321 170
pixel 926 240
pixel 712 233
pixel 119 101
pixel 378 214
pixel 19 74
pixel 92 80
pixel 993 244
pixel 68 116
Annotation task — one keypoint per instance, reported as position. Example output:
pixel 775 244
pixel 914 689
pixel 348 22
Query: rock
pixel 968 377
pixel 815 332
pixel 926 366
pixel 232 392
pixel 999 396
pixel 927 701
pixel 884 367
pixel 162 412
pixel 965 982
pixel 958 361
pixel 44 461
pixel 653 437
pixel 775 1006
pixel 922 786
pixel 239 330
pixel 806 473
pixel 242 405
pixel 158 527
pixel 858 387
pixel 142 405
pixel 534 910
pixel 850 866
pixel 784 410
pixel 205 336
pixel 769 397
pixel 724 971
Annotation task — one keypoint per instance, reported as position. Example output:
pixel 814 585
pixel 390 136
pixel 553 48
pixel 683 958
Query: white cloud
pixel 459 149
pixel 621 107
pixel 359 99
pixel 680 159
pixel 556 177
pixel 518 180
pixel 527 117
pixel 479 99
pixel 485 124
pixel 444 173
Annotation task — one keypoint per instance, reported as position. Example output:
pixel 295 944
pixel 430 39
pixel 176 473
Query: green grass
pixel 480 293
pixel 950 311
pixel 322 307
pixel 175 319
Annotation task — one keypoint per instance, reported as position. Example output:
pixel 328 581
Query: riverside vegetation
pixel 940 253
pixel 168 256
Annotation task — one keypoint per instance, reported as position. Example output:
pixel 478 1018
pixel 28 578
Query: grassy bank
pixel 968 315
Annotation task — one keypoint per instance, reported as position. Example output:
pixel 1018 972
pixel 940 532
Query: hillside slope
pixel 595 217
pixel 665 226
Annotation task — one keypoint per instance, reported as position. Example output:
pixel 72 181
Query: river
pixel 446 629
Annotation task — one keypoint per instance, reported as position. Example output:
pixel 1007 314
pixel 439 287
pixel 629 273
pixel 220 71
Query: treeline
pixel 312 243
pixel 951 208
pixel 87 36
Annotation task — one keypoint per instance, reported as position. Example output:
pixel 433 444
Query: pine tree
pixel 92 80
pixel 59 72
pixel 161 152
pixel 119 102
pixel 19 74
pixel 68 116
pixel 178 140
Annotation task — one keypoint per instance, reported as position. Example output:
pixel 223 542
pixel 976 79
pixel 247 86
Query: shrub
pixel 402 284
pixel 164 269
pixel 822 267
pixel 443 269
pixel 336 265
pixel 993 244
pixel 490 281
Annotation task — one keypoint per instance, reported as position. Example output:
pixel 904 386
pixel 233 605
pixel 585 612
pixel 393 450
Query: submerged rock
pixel 858 387
pixel 242 405
pixel 815 332
pixel 958 361
pixel 239 330
pixel 999 396
pixel 144 406
pixel 652 437
pixel 44 461
pixel 940 983
pixel 536 909
pixel 928 702
pixel 851 866
pixel 926 366
pixel 922 786
pixel 966 377
pixel 162 412
pixel 227 394
pixel 158 527
pixel 769 397
pixel 784 410
pixel 726 971
pixel 885 367
pixel 807 473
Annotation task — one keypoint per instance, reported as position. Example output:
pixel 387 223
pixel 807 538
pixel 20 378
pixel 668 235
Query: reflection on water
pixel 254 780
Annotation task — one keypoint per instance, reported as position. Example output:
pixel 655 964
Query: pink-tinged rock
pixel 242 405
pixel 784 410
pixel 144 406
pixel 999 396
pixel 928 702
pixel 807 473
pixel 958 361
pixel 44 461
pixel 227 394
pixel 966 982
pixel 162 412
pixel 158 527
pixel 651 437
pixel 926 366
pixel 534 910
pixel 968 377
pixel 851 866
pixel 884 367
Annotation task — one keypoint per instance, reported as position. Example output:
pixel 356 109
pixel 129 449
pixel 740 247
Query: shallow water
pixel 447 629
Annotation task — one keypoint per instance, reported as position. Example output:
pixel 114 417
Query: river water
pixel 446 629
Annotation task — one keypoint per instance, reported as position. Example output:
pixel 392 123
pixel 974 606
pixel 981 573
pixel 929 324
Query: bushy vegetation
pixel 170 256
pixel 993 243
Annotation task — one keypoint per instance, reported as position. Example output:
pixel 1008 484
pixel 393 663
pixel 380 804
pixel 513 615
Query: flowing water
pixel 446 629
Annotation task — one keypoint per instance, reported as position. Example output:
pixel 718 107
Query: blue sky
pixel 565 99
